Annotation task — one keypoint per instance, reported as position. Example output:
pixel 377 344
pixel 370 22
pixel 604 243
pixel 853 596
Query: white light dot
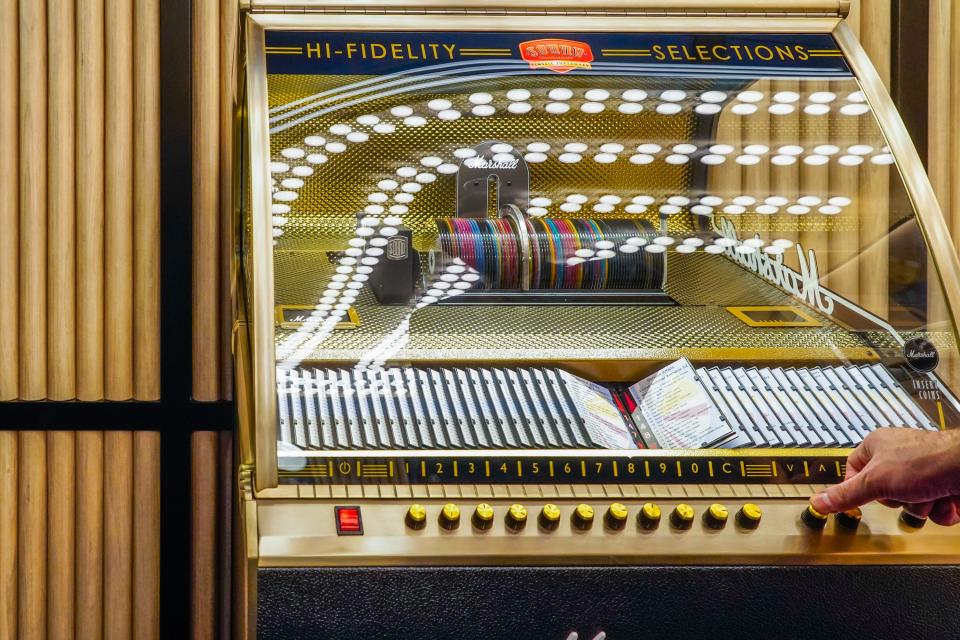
pixel 385 127
pixel 734 209
pixel 569 207
pixel 560 94
pixel 354 252
pixel 357 136
pixel 303 171
pixel 712 159
pixel 427 178
pixel 572 262
pixel 519 107
pixel 826 149
pixel 570 158
pixel 850 160
pixel 822 97
pixel 635 208
pixel 654 248
pixel 629 108
pixel 604 244
pixel 857 96
pixel 340 129
pixel 502 157
pixel 368 120
pixel 373 209
pixel 707 109
pixel 314 141
pixel 401 111
pixel 388 231
pixel 397 209
pixel 750 96
pixel 293 153
pixel 783 161
pixel 517 95
pixel 809 201
pixel 634 95
pixel 279 167
pixel 712 248
pixel 840 201
pixel 649 147
pixel 744 109
pixel 611 147
pixel 579 198
pixel 725 242
pixel 411 187
pixel 279 208
pixel 685 248
pixel 611 199
pixel 711 201
pixel 693 242
pixel 291 183
pixel 387 185
pixel 701 209
pixel 392 221
pixel 480 98
pixel 684 148
pixel 854 109
pixel 753 242
pixel 816 160
pixel 783 243
pixel 676 158
pixel 798 210
pixel 536 211
pixel 669 209
pixel 415 121
pixel 335 147
pixel 748 159
pixel 786 96
pixel 483 110
pixel 535 157
pixel 781 109
pixel 773 250
pixel 745 201
pixel 439 104
pixel 605 158
pixel 597 95
pixel 713 96
pixel 669 108
pixel 557 108
pixel 464 153
pixel 377 197
pixel 680 201
pixel 285 196
pixel 767 209
pixel 575 147
pixel 673 95
pixel 641 158
pixel 777 201
pixel 882 158
pixel 756 149
pixel 629 248
pixel 637 241
pixel 860 149
pixel 816 109
pixel 829 210
pixel 431 161
pixel 745 248
pixel 603 208
pixel 592 107
pixel 449 114
pixel 538 147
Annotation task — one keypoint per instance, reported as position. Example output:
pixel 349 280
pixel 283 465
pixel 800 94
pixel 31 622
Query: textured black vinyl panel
pixel 625 602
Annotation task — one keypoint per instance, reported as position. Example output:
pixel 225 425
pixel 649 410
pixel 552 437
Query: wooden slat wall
pixel 212 479
pixel 214 70
pixel 79 535
pixel 79 200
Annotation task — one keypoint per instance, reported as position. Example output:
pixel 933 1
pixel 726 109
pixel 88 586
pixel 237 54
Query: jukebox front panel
pixel 564 272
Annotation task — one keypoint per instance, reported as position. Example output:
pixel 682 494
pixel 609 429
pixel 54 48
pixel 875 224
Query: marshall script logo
pixel 921 355
pixel 804 286
pixel 497 162
pixel 556 54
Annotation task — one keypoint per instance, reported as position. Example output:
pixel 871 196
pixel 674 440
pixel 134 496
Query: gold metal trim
pixel 264 372
pixel 743 314
pixel 919 190
pixel 352 321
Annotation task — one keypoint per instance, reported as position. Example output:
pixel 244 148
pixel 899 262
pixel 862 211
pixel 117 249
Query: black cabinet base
pixel 509 603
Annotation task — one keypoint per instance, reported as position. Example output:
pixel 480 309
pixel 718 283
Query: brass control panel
pixel 602 531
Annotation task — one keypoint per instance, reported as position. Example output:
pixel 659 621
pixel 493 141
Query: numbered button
pixel 549 518
pixel 450 516
pixel 682 516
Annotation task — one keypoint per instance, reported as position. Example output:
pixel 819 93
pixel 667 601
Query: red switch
pixel 349 522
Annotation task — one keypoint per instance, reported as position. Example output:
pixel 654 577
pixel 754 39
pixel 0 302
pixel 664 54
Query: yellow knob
pixel 416 516
pixel 450 516
pixel 549 517
pixel 617 516
pixel 682 516
pixel 483 516
pixel 649 515
pixel 813 518
pixel 716 516
pixel 583 517
pixel 516 517
pixel 749 516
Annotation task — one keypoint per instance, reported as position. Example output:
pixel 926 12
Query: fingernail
pixel 822 502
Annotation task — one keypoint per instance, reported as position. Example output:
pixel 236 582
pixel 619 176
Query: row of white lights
pixel 704 205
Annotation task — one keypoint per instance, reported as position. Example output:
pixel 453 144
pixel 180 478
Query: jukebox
pixel 552 316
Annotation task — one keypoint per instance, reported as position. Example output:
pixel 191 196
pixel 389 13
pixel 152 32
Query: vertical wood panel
pixel 118 217
pixel 33 200
pixel 146 535
pixel 206 185
pixel 32 536
pixel 204 514
pixel 225 480
pixel 90 535
pixel 146 164
pixel 61 246
pixel 8 533
pixel 9 201
pixel 117 535
pixel 228 72
pixel 61 535
pixel 90 199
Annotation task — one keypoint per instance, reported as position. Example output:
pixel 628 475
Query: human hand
pixel 909 468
